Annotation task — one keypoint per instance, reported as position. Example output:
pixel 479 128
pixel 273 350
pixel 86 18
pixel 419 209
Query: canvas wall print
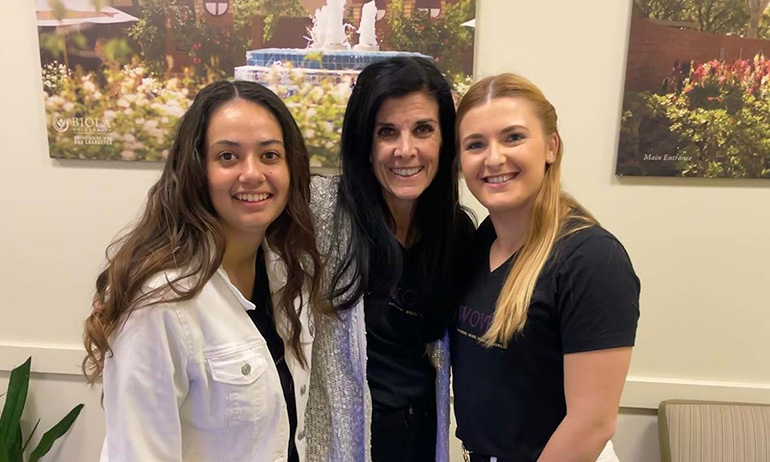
pixel 697 90
pixel 118 74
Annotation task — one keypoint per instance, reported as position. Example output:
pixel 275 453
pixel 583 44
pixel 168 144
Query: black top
pixel 510 399
pixel 399 370
pixel 262 316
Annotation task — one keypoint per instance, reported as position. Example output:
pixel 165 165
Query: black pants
pixel 407 434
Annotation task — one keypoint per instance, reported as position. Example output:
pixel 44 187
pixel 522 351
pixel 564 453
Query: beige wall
pixel 699 246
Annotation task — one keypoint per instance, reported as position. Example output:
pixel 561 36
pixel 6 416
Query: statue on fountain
pixel 328 31
pixel 367 38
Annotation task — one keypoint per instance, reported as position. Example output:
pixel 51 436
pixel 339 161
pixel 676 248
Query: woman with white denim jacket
pixel 202 326
pixel 391 229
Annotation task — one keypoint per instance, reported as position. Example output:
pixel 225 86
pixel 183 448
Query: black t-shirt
pixel 399 370
pixel 263 318
pixel 510 399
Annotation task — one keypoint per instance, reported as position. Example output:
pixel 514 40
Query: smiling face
pixel 248 173
pixel 504 153
pixel 405 147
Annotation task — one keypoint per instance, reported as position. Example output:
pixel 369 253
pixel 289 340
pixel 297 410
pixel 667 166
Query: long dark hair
pixel 374 254
pixel 180 231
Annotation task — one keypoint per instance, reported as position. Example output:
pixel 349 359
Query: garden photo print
pixel 697 90
pixel 118 74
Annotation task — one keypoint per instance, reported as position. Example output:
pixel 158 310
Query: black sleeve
pixel 597 296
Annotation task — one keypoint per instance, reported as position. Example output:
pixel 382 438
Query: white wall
pixel 700 247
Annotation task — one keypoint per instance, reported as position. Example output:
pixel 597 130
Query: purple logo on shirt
pixel 476 319
pixel 474 324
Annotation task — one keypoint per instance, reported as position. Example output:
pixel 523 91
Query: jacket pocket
pixel 239 378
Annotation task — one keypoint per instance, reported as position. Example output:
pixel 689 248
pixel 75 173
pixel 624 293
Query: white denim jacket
pixel 194 380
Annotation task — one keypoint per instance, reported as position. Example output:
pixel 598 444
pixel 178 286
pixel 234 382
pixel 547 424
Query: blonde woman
pixel 543 339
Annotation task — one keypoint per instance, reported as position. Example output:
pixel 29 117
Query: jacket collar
pixel 276 275
pixel 276 268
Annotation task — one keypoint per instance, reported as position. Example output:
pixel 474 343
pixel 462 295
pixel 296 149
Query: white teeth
pixel 499 178
pixel 252 197
pixel 406 171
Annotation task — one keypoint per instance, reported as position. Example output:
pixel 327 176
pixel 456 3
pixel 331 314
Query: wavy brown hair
pixel 179 231
pixel 552 210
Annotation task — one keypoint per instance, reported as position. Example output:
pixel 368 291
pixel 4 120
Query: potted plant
pixel 11 446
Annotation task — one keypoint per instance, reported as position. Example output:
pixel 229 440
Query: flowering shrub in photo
pixel 119 114
pixel 712 122
pixel 317 100
pixel 53 75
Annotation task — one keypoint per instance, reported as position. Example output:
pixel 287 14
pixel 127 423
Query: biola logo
pixel 81 124
pixel 89 122
pixel 60 124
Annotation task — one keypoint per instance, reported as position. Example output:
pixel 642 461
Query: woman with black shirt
pixel 391 228
pixel 542 342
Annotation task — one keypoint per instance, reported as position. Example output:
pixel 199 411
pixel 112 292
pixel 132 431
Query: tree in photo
pixel 444 38
pixel 711 16
pixel 150 35
pixel 756 10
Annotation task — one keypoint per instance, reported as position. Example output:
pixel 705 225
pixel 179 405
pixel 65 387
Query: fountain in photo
pixel 316 82
pixel 328 53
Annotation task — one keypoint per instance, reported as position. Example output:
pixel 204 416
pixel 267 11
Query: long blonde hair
pixel 547 223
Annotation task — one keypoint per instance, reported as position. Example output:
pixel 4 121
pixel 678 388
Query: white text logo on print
pixel 81 124
pixel 60 124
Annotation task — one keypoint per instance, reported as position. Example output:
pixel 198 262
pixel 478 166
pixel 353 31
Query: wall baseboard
pixel 639 392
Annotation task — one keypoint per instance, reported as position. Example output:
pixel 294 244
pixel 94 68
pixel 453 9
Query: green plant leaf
pixel 79 40
pixel 15 452
pixel 14 404
pixel 58 9
pixel 56 432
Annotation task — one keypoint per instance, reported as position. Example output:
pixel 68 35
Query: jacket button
pixel 301 435
pixel 302 390
pixel 246 369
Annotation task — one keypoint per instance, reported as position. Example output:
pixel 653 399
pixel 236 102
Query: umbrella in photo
pixel 79 12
